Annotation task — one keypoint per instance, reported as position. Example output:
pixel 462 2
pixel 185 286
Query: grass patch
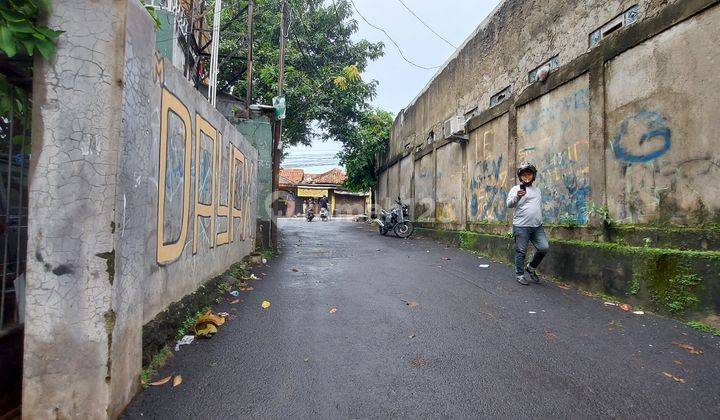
pixel 157 362
pixel 704 328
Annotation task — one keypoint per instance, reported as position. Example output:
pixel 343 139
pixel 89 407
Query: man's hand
pixel 521 193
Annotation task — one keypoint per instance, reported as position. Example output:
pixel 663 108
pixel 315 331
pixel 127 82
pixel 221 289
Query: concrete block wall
pixel 625 124
pixel 139 192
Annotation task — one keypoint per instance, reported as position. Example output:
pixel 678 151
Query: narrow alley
pixel 422 330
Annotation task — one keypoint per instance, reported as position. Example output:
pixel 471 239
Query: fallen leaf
pixel 333 310
pixel 689 348
pixel 265 304
pixel 411 303
pixel 418 361
pixel 246 289
pixel 586 293
pixel 564 286
pixel 411 335
pixel 677 362
pixel 614 324
pixel 162 381
pixel 263 274
pixel 209 317
pixel 205 330
pixel 550 336
pixel 625 307
pixel 177 380
pixel 307 359
pixel 674 378
pixel 295 269
pixel 235 301
pixel 446 258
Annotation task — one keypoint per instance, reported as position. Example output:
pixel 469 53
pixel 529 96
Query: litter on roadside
pixel 532 312
pixel 265 304
pixel 625 307
pixel 223 314
pixel 235 293
pixel 611 304
pixel 639 312
pixel 188 339
pixel 484 265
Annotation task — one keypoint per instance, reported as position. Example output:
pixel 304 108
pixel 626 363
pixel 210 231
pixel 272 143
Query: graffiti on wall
pixel 559 147
pixel 653 143
pixel 488 183
pixel 213 180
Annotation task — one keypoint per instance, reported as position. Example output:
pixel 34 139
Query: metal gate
pixel 15 110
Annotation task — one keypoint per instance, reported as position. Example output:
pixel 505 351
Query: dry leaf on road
pixel 418 361
pixel 235 301
pixel 177 380
pixel 295 269
pixel 677 362
pixel 586 293
pixel 674 378
pixel 563 286
pixel 411 303
pixel 265 304
pixel 162 381
pixel 688 347
pixel 333 310
pixel 550 336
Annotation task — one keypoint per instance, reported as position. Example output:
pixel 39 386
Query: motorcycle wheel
pixel 404 229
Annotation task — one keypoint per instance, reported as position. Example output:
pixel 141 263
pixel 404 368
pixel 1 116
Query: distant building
pixel 297 188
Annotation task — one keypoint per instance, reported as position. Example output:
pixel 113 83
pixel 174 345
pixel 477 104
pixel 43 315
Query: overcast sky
pixel 400 82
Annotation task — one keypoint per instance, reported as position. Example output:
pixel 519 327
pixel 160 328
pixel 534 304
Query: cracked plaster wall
pixel 92 275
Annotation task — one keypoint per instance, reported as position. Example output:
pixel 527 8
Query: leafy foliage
pixel 323 64
pixel 20 32
pixel 369 137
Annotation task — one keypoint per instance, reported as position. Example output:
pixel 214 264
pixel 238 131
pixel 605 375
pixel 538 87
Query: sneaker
pixel 521 279
pixel 533 274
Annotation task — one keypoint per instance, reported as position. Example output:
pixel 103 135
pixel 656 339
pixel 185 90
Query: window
pixel 500 96
pixel 550 65
pixel 626 18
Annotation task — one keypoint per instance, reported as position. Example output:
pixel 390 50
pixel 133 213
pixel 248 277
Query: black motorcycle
pixel 397 219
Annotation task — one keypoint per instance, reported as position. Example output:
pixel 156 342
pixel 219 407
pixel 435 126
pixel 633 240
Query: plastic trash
pixel 639 312
pixel 235 293
pixel 484 265
pixel 625 307
pixel 188 339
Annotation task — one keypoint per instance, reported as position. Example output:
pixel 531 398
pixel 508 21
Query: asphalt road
pixel 421 330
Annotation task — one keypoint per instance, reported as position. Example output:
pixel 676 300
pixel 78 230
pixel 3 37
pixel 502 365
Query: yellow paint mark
pixel 167 253
pixel 223 210
pixel 235 213
pixel 202 209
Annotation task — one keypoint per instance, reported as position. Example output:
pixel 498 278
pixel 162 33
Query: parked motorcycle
pixel 310 215
pixel 324 214
pixel 397 220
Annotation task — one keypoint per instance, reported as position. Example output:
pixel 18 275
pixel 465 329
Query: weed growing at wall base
pixel 704 328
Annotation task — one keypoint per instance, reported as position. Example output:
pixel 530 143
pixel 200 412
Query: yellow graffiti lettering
pixel 235 213
pixel 223 210
pixel 158 74
pixel 167 253
pixel 202 126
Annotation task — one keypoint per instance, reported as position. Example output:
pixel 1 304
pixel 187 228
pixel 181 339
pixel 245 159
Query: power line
pixel 391 40
pixel 426 25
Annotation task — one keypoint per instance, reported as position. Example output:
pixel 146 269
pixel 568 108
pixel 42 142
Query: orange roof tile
pixel 294 176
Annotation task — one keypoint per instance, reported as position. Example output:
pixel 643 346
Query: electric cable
pixel 426 25
pixel 391 40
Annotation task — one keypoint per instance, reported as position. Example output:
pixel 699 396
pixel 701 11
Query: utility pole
pixel 249 71
pixel 278 132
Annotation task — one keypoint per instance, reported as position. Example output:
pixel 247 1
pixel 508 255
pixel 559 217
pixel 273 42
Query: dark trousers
pixel 524 235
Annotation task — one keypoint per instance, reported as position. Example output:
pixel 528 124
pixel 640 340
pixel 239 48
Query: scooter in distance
pixel 324 214
pixel 310 215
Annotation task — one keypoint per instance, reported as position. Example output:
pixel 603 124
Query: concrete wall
pixel 628 123
pixel 124 217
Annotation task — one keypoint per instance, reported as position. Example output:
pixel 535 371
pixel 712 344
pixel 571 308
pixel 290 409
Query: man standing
pixel 527 223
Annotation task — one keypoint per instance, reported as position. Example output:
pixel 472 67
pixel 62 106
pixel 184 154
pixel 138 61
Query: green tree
pixel 323 64
pixel 369 137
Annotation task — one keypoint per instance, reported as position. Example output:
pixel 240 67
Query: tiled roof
pixel 292 176
pixel 332 177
